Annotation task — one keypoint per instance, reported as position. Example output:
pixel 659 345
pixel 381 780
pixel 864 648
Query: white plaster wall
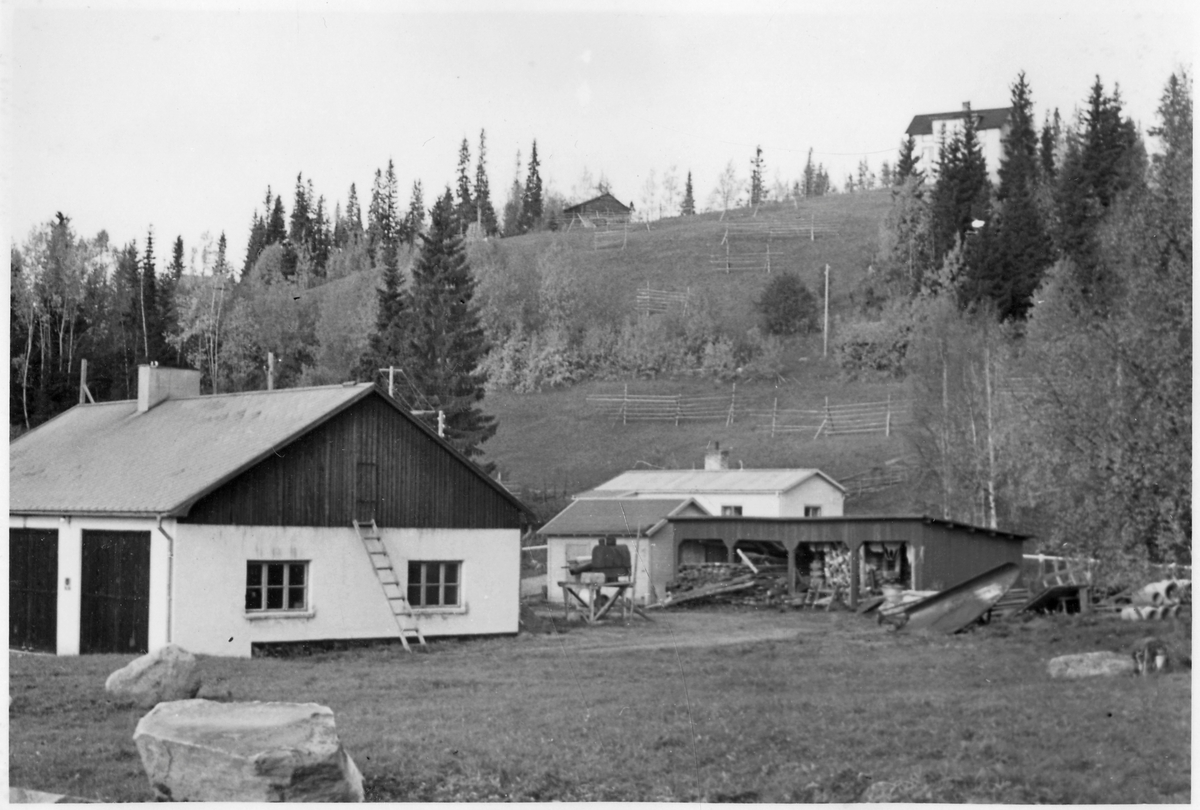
pixel 813 492
pixel 70 571
pixel 556 564
pixel 345 598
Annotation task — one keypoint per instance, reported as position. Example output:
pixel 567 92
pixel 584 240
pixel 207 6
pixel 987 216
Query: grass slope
pixel 835 710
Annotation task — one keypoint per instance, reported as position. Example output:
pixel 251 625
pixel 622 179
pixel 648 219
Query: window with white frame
pixel 433 583
pixel 812 511
pixel 731 511
pixel 276 586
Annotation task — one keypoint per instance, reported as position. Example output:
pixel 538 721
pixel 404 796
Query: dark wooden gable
pixel 369 461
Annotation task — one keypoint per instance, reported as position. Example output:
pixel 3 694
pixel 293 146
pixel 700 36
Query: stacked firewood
pixel 728 584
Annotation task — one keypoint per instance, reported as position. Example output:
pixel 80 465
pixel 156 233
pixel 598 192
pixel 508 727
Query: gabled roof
pixel 994 118
pixel 108 459
pixel 615 204
pixel 626 517
pixel 634 482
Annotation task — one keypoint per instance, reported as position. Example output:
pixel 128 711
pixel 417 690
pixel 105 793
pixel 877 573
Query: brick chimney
pixel 156 384
pixel 966 106
pixel 716 459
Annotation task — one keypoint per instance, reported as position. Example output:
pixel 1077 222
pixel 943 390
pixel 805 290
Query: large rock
pixel 168 673
pixel 202 751
pixel 1086 665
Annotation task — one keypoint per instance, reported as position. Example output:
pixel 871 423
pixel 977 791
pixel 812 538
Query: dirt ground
pixel 689 628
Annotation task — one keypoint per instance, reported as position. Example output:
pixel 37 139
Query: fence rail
pixel 650 300
pixel 831 420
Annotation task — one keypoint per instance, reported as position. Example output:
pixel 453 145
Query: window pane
pixel 414 572
pixel 451 595
pixel 433 573
pixel 295 599
pixel 254 599
pixel 431 595
pixel 414 594
pixel 275 574
pixel 253 574
pixel 451 573
pixel 296 574
pixel 275 598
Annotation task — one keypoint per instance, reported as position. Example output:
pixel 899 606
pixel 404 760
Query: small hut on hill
pixel 602 211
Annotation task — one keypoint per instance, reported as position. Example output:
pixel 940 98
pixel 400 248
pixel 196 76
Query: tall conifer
pixel 688 207
pixel 531 199
pixel 486 213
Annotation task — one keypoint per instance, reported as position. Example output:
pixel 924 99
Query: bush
pixel 872 346
pixel 786 307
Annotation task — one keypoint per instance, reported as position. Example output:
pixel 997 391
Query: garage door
pixel 33 589
pixel 115 592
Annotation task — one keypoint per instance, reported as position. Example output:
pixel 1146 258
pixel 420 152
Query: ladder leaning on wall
pixel 385 572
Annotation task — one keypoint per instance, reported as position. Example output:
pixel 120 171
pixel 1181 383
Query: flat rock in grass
pixel 1087 665
pixel 202 751
pixel 168 673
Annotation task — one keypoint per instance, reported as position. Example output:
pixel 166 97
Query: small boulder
pixel 1086 665
pixel 168 673
pixel 202 751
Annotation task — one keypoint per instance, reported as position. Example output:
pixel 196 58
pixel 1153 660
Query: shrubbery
pixel 786 307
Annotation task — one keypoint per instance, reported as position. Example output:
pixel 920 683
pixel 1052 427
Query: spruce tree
pixel 512 206
pixel 354 221
pixel 1008 262
pixel 301 223
pixel 483 198
pixel 168 311
pixel 276 223
pixel 414 219
pixel 810 176
pixel 757 195
pixel 388 344
pixel 1048 147
pixel 531 199
pixel 961 193
pixel 466 205
pixel 688 207
pixel 447 341
pixel 906 166
pixel 375 224
pixel 153 345
pixel 320 241
pixel 256 242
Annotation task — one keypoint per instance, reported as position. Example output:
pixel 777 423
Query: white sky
pixel 127 115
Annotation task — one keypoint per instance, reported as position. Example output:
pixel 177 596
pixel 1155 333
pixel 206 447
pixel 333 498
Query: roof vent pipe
pixel 716 459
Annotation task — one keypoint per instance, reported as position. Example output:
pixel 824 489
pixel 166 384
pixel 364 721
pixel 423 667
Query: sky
pixel 130 116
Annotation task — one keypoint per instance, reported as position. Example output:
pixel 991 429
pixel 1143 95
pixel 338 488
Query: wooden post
pixel 732 404
pixel 855 555
pixel 84 393
pixel 625 240
pixel 887 425
pixel 625 406
pixel 392 382
pixel 774 410
pixel 825 349
pixel 727 257
pixel 811 233
pixel 768 257
pixel 678 407
pixel 270 371
pixel 791 574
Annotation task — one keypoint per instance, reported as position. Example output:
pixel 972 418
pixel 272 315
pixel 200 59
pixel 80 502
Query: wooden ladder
pixel 385 572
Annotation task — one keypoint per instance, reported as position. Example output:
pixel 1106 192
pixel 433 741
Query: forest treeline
pixel 1045 326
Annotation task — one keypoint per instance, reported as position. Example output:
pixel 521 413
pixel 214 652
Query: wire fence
pixel 831 420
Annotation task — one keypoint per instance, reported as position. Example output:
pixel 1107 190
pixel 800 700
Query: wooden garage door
pixel 33 589
pixel 115 592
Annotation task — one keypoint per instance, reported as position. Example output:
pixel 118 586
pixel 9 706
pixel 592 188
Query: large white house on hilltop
pixel 991 125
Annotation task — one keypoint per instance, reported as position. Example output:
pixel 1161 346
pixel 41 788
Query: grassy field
pixel 707 704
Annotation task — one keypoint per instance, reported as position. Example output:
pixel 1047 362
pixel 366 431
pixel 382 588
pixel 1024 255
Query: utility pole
pixel 825 349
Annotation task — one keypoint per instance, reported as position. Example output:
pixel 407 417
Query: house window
pixel 812 511
pixel 731 511
pixel 433 584
pixel 276 586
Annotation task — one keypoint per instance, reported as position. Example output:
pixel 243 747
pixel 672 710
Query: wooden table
pixel 591 613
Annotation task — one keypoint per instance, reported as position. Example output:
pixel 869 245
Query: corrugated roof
pixel 683 481
pixel 108 458
pixel 993 118
pixel 625 517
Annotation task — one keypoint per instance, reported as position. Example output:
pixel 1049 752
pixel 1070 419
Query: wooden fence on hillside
pixel 747 242
pixel 831 420
pixel 653 301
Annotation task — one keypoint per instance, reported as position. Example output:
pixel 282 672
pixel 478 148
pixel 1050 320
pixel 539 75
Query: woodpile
pixel 731 584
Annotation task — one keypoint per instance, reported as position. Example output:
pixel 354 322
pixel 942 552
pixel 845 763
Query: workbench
pixel 591 613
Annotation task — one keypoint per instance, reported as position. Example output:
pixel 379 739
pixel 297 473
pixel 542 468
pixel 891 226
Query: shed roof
pixel 993 118
pixel 706 481
pixel 109 459
pixel 612 203
pixel 623 516
pixel 782 524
